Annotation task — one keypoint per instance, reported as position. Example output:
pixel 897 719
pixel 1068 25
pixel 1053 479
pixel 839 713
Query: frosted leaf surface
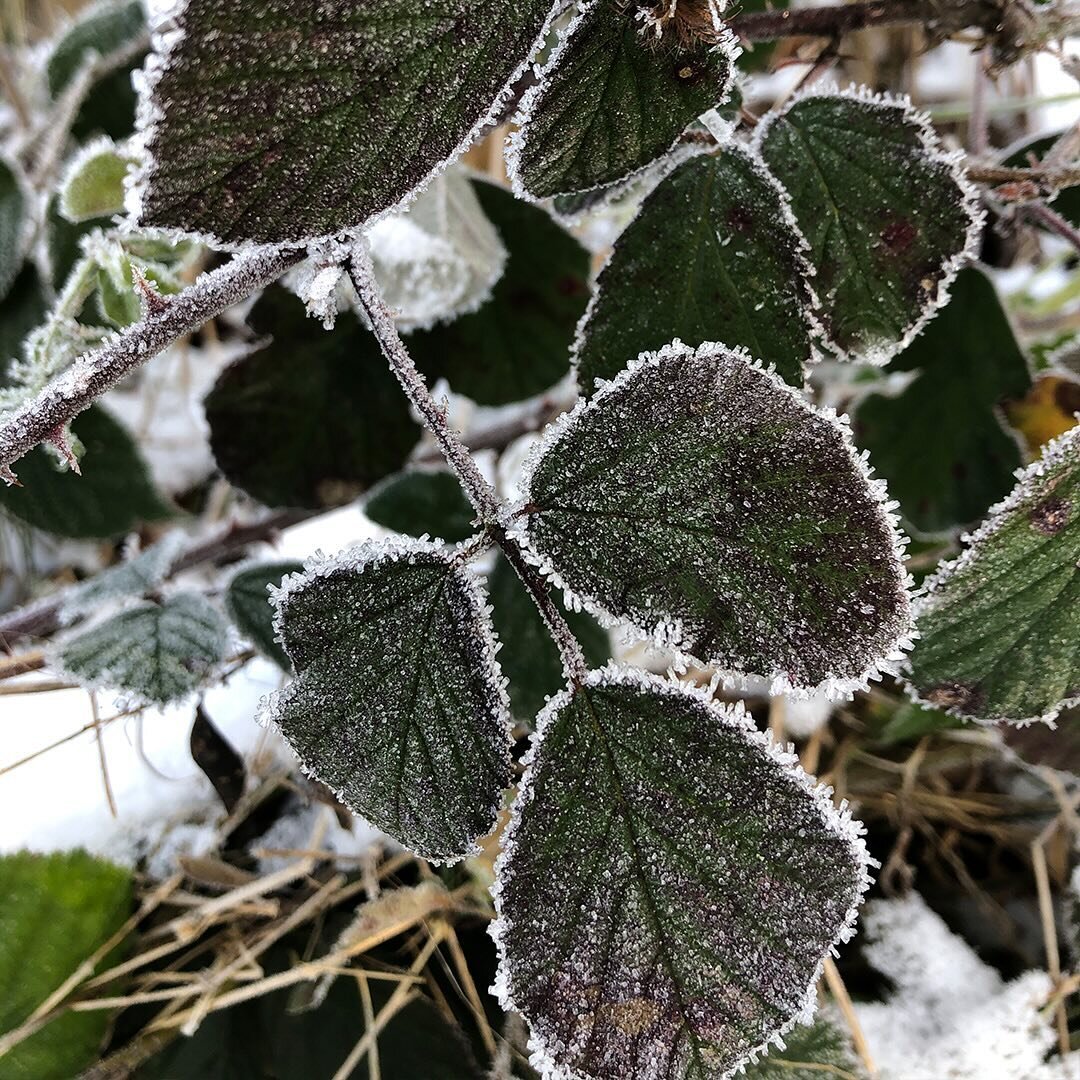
pixel 12 222
pixel 811 1051
pixel 247 600
pixel 702 500
pixel 157 652
pixel 999 625
pixel 888 214
pixel 713 255
pixel 669 885
pixel 398 704
pixel 438 259
pixel 611 100
pixel 93 182
pixel 281 120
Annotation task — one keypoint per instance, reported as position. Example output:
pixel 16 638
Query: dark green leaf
pixel 247 600
pixel 516 345
pixel 1067 201
pixel 398 704
pixel 529 658
pixel 12 224
pixel 62 241
pixel 111 497
pixel 887 213
pixel 423 503
pixel 999 625
pixel 816 1051
pixel 911 722
pixel 713 255
pixel 159 652
pixel 314 417
pixel 702 500
pixel 939 442
pixel 612 99
pixel 55 911
pixel 22 310
pixel 669 884
pixel 279 122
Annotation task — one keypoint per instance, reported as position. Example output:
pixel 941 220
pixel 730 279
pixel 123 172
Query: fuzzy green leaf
pixel 160 652
pixel 516 345
pixel 111 497
pixel 999 625
pixel 281 121
pixel 713 255
pixel 884 209
pixel 814 1051
pixel 529 658
pixel 397 704
pixel 55 911
pixel 94 184
pixel 612 99
pixel 22 310
pixel 669 884
pixel 423 502
pixel 247 600
pixel 313 418
pixel 700 499
pixel 12 222
pixel 939 442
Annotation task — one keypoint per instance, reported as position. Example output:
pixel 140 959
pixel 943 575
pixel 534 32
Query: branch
pixel 92 375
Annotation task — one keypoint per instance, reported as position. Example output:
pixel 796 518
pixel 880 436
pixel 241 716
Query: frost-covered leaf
pixel 113 494
pixel 612 99
pixel 93 185
pixel 516 345
pixel 423 502
pixel 21 311
pixel 529 658
pixel 999 625
pixel 939 442
pixel 160 652
pixel 888 214
pixel 55 911
pixel 275 121
pixel 713 255
pixel 247 600
pixel 314 417
pixel 12 223
pixel 398 704
pixel 819 1050
pixel 669 884
pixel 700 499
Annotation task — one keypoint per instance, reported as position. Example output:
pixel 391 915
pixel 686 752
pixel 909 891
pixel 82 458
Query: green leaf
pixel 1067 201
pixel 529 658
pixel 423 503
pixel 160 652
pixel 398 704
pixel 62 241
pixel 910 722
pixel 112 496
pixel 819 1050
pixel 314 417
pixel 703 501
pixel 888 214
pixel 516 345
pixel 713 255
pixel 93 185
pixel 12 222
pixel 55 911
pixel 612 99
pixel 999 624
pixel 939 442
pixel 279 122
pixel 669 886
pixel 247 600
pixel 22 310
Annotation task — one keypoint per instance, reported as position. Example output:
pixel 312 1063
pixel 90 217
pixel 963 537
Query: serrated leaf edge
pixel 837 819
pixel 668 635
pixel 971 201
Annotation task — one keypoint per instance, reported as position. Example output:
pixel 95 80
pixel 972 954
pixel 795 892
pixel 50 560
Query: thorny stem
pixel 480 493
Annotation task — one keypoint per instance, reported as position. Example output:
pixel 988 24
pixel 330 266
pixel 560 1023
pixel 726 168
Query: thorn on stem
pixel 151 301
pixel 59 439
pixel 8 476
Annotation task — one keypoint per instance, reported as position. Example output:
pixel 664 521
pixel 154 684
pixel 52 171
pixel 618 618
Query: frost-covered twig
pixel 92 375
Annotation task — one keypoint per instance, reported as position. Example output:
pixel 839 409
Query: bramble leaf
pixel 700 499
pixel 159 652
pixel 314 417
pixel 12 221
pixel 247 600
pixel 612 99
pixel 669 886
pixel 277 121
pixel 811 1051
pixel 398 704
pixel 887 213
pixel 93 185
pixel 713 255
pixel 516 345
pixel 22 310
pixel 938 442
pixel 55 911
pixel 423 503
pixel 999 625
